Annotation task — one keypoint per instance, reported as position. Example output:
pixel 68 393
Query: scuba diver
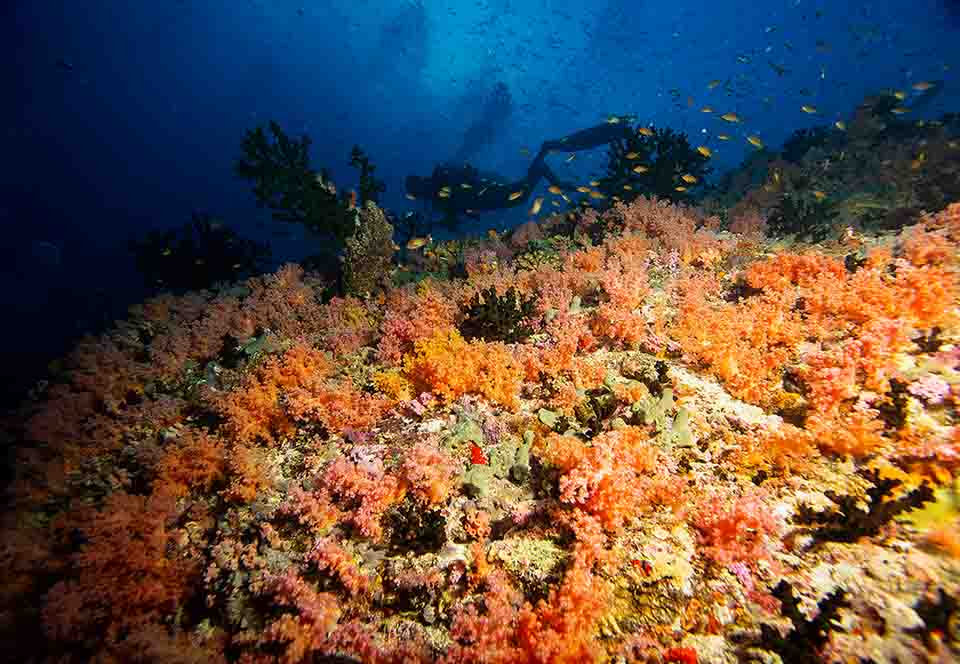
pixel 456 189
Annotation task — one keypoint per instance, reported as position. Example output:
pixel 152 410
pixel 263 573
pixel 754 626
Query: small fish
pixel 464 185
pixel 755 141
pixel 628 187
pixel 730 117
pixel 900 94
pixel 554 189
pixel 923 86
pixel 646 131
pixel 819 195
pixel 899 110
pixel 613 119
pixel 632 155
pixel 597 194
pixel 555 203
pixel 537 204
pixel 723 137
pixel 707 109
pixel 712 84
pixel 415 243
pixel 841 125
pixel 571 157
pixel 482 191
pixel 807 108
pixel 583 189
pixel 689 179
pixel 680 188
pixel 167 251
pixel 705 151
pixel 443 193
pixel 515 195
pixel 640 169
pixel 525 151
pixel 594 183
pixel 411 197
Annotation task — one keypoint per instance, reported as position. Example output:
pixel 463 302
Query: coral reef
pixel 662 442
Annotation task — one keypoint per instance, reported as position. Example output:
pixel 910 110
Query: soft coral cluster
pixel 450 366
pixel 613 478
pixel 125 576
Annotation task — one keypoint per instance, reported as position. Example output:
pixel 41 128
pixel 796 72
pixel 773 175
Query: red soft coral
pixel 735 530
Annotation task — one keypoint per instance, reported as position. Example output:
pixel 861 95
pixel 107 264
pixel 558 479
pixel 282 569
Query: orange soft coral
pixel 451 367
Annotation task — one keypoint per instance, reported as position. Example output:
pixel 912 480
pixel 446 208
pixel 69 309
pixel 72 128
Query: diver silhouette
pixel 454 189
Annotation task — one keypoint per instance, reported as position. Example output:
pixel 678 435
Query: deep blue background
pixel 142 125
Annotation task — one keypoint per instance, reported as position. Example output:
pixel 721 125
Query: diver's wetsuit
pixel 470 191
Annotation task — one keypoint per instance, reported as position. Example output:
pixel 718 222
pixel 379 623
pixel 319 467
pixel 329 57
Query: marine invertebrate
pixel 368 252
pixel 494 317
pixel 849 522
pixel 808 636
pixel 449 366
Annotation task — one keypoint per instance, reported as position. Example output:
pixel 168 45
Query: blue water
pixel 125 117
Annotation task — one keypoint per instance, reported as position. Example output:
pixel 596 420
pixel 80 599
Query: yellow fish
pixel 841 125
pixel 167 251
pixel 723 137
pixel 706 109
pixel 819 195
pixel 900 94
pixel 755 141
pixel 646 131
pixel 596 194
pixel 705 151
pixel 594 183
pixel 583 189
pixel 537 204
pixel 712 84
pixel 730 117
pixel 806 108
pixel 922 86
pixel 680 188
pixel 515 195
pixel 443 193
pixel 554 189
pixel 628 187
pixel 416 242
pixel 640 169
pixel 632 155
pixel 689 179
pixel 899 110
